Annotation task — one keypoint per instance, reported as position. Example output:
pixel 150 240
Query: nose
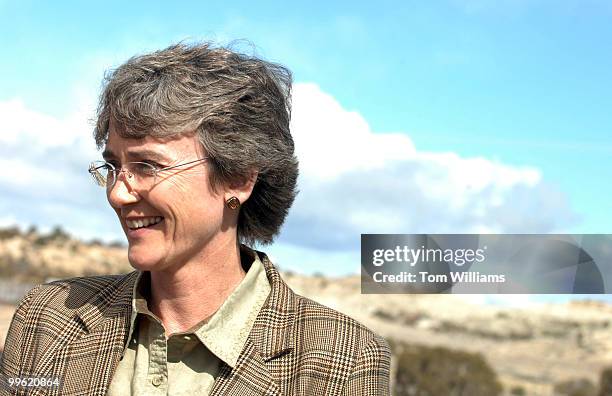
pixel 122 193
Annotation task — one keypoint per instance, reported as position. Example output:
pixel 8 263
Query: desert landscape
pixel 471 348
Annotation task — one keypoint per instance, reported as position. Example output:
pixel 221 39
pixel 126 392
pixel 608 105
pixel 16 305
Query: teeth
pixel 145 222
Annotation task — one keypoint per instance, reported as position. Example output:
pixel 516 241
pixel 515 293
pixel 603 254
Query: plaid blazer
pixel 75 330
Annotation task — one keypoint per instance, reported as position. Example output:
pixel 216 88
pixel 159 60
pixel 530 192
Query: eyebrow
pixel 138 154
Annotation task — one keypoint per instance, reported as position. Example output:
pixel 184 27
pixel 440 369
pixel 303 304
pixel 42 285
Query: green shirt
pixel 187 363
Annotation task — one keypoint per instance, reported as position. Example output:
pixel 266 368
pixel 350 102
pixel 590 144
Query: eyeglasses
pixel 141 174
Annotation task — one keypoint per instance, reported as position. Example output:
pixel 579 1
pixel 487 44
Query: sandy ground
pixel 6 313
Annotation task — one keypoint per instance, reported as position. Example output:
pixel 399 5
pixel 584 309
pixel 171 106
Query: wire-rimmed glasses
pixel 141 174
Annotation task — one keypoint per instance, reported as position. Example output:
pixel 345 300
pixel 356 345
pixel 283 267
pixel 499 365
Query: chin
pixel 144 260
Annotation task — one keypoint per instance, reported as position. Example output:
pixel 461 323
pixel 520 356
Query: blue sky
pixel 441 116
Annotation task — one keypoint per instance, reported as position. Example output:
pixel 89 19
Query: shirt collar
pixel 226 331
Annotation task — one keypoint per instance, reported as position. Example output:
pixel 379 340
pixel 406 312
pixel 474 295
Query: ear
pixel 241 189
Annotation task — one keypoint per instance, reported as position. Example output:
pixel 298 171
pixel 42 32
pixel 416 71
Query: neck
pixel 185 294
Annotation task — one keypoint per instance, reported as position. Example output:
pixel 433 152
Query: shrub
pixel 117 244
pixel 437 371
pixel 575 387
pixel 95 242
pixel 518 391
pixel 605 382
pixel 9 232
pixel 56 235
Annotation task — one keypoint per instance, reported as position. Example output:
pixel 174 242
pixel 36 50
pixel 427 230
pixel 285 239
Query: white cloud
pixel 22 125
pixel 355 181
pixel 331 141
pixel 44 179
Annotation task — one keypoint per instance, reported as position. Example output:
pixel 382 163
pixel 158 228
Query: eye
pixel 144 168
pixel 106 168
pixel 153 163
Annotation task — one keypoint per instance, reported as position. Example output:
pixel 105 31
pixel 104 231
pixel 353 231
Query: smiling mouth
pixel 143 222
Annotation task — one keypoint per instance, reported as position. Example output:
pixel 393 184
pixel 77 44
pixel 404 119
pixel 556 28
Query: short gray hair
pixel 238 105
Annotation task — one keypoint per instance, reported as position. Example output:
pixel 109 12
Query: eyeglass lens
pixel 138 173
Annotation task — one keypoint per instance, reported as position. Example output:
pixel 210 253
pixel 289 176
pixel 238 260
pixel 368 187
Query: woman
pixel 198 158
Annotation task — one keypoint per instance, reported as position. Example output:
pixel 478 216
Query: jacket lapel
pixel 270 338
pixel 250 377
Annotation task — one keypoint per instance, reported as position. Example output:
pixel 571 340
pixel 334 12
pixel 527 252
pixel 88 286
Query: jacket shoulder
pixel 47 314
pixel 331 330
pixel 70 295
pixel 337 354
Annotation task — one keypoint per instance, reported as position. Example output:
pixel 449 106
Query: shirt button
pixel 157 380
pixel 186 338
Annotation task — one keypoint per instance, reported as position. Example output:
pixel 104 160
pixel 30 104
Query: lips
pixel 142 222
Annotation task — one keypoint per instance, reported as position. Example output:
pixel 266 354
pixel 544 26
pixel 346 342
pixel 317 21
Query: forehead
pixel 163 149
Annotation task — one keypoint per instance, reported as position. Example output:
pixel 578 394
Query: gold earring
pixel 233 203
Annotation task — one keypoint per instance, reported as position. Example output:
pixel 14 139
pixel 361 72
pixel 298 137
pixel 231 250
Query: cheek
pixel 118 213
pixel 190 203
